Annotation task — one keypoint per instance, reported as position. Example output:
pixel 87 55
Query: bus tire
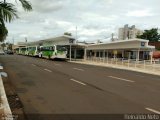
pixel 49 57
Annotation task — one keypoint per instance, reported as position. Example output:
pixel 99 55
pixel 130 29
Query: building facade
pixel 128 32
pixel 136 49
pixel 156 44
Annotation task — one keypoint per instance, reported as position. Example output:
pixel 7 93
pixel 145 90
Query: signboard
pixel 71 40
pixel 142 44
pixel 115 52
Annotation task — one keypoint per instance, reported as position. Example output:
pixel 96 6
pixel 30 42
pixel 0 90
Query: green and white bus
pixel 17 50
pixel 33 50
pixel 23 50
pixel 53 52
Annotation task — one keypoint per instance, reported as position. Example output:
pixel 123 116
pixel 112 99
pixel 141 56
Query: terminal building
pixel 137 49
pixel 77 49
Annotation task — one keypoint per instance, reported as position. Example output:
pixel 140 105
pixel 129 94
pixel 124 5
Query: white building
pixel 129 49
pixel 128 32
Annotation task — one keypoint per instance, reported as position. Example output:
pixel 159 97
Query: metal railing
pixel 147 65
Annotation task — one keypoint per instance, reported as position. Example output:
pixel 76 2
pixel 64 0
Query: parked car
pixel 9 52
pixel 2 52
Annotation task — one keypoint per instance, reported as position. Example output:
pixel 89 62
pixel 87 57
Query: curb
pixel 117 67
pixel 4 107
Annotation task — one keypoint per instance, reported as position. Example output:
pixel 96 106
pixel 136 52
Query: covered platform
pixel 137 49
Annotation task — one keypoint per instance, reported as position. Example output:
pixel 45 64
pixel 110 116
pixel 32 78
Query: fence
pixel 129 63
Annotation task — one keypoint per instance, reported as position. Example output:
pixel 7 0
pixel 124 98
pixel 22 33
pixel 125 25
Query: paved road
pixel 47 87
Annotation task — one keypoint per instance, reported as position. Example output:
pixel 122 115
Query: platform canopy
pixel 59 40
pixel 122 44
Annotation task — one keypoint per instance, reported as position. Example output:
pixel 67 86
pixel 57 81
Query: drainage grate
pixel 14 102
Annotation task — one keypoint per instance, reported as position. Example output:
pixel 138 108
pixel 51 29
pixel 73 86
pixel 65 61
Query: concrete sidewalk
pixel 140 68
pixel 5 111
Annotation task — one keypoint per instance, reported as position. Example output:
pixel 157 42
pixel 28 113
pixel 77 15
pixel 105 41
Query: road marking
pixel 44 61
pixel 139 75
pixel 33 65
pixel 78 82
pixel 1 67
pixel 48 70
pixel 56 64
pixel 78 69
pixel 121 79
pixel 152 110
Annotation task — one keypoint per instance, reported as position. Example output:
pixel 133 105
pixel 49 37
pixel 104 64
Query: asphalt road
pixel 54 87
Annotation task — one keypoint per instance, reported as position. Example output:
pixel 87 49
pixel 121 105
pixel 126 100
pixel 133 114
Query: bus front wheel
pixel 49 57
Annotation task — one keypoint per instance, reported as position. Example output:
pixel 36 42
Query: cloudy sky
pixel 95 19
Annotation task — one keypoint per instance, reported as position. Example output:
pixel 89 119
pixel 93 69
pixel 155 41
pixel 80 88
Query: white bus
pixel 33 50
pixel 53 52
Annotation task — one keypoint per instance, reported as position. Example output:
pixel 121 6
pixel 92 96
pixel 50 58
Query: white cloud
pixel 93 18
pixel 139 13
pixel 64 23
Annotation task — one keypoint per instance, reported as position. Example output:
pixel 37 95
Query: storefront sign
pixel 142 44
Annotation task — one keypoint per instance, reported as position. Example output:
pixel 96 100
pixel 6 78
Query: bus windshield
pixel 23 48
pixel 61 48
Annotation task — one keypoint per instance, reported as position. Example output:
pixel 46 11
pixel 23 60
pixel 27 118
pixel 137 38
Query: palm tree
pixel 8 13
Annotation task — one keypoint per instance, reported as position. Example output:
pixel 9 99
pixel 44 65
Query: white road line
pixel 1 67
pixel 121 79
pixel 56 64
pixel 44 61
pixel 78 69
pixel 152 110
pixel 47 70
pixel 78 82
pixel 139 75
pixel 33 65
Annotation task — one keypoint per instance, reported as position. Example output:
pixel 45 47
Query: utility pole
pixel 26 39
pixel 75 50
pixel 13 40
pixel 112 37
pixel 70 51
pixel 76 34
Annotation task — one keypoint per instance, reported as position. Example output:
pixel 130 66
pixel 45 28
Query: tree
pixel 8 13
pixel 3 32
pixel 67 33
pixel 151 35
pixel 3 45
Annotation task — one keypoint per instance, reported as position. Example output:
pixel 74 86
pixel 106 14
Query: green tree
pixel 151 35
pixel 8 13
pixel 67 33
pixel 3 45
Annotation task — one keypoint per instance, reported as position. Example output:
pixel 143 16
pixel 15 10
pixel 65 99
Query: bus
pixel 17 50
pixel 23 50
pixel 33 50
pixel 53 52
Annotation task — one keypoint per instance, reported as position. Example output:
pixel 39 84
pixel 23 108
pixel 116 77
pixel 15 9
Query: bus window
pixel 47 48
pixel 51 48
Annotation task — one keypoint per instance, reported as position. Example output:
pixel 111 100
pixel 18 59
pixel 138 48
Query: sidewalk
pixel 153 69
pixel 5 111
